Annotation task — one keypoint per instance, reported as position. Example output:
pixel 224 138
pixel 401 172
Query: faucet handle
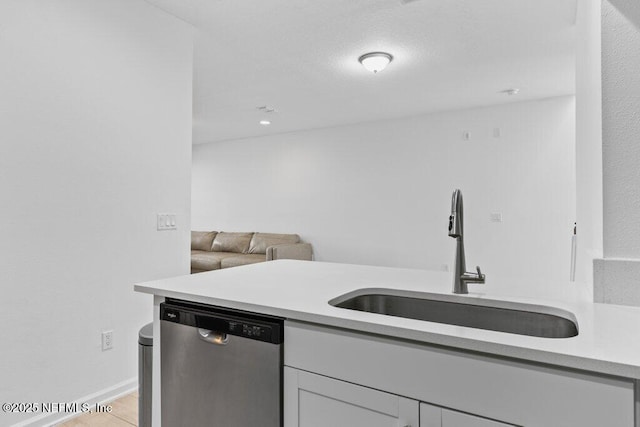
pixel 480 275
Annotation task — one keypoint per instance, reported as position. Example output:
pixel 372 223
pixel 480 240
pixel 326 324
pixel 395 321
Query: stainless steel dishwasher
pixel 220 368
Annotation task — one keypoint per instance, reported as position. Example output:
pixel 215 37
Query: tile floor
pixel 124 414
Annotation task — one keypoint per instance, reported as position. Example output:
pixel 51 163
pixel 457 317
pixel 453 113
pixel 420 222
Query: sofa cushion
pixel 242 260
pixel 204 260
pixel 232 242
pixel 202 240
pixel 261 241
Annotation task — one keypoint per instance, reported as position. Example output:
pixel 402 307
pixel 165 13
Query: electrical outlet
pixel 496 217
pixel 107 340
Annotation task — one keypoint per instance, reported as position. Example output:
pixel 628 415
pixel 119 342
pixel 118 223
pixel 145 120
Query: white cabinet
pixel 317 401
pixel 313 400
pixel 433 416
pixel 511 392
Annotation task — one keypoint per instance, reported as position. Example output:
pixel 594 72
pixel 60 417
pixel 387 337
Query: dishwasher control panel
pixel 248 330
pixel 255 327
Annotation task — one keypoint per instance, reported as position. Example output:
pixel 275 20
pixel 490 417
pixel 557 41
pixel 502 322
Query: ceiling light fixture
pixel 265 122
pixel 375 61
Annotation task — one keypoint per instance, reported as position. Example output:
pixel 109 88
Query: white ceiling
pixel 300 57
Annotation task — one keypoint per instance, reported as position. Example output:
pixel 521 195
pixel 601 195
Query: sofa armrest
pixel 301 251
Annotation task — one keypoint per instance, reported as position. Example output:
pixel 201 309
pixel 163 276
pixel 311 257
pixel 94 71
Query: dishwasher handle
pixel 213 337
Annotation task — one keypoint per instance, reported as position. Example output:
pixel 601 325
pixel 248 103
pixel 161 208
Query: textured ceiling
pixel 300 57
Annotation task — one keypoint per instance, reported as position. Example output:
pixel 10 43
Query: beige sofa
pixel 212 250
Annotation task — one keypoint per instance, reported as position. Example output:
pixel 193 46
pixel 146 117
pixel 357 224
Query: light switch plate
pixel 167 221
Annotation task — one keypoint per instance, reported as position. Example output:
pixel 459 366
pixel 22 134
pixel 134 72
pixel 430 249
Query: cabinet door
pixel 312 400
pixel 433 416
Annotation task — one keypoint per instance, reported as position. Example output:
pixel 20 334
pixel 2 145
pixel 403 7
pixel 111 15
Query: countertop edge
pixel 602 367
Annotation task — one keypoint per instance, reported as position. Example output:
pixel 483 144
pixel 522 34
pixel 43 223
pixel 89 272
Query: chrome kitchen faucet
pixel 456 225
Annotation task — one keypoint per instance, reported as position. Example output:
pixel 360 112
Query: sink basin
pixel 494 315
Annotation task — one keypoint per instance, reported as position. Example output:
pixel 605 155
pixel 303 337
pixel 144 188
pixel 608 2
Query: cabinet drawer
pixel 432 416
pixel 317 401
pixel 491 387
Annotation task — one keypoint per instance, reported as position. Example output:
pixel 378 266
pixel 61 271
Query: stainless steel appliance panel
pixel 225 381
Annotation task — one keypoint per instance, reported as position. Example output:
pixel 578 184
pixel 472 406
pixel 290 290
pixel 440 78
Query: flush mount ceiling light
pixel 265 122
pixel 375 61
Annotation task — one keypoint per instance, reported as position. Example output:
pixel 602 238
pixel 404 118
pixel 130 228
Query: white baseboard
pixel 101 397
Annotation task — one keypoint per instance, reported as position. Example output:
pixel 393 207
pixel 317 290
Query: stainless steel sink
pixel 494 315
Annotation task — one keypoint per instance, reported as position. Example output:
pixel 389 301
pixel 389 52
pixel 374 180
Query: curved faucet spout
pixel 456 218
pixel 456 230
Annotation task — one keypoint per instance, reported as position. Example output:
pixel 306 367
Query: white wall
pixel 621 127
pixel 380 193
pixel 589 197
pixel 95 131
pixel 619 272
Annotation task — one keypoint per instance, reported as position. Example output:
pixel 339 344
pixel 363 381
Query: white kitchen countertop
pixel 608 341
